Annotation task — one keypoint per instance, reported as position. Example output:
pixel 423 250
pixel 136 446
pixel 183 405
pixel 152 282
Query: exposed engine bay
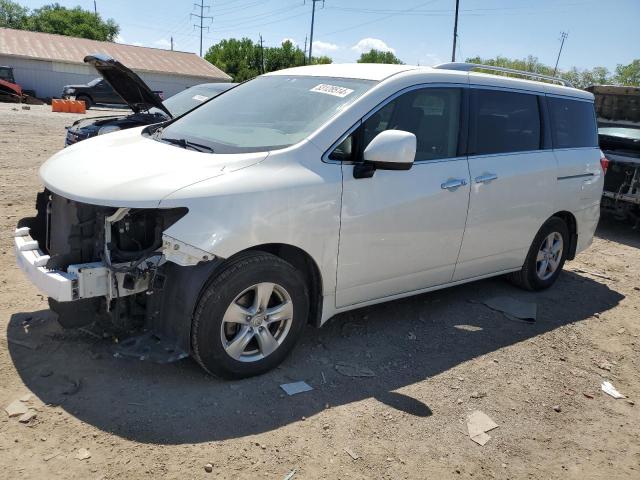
pixel 115 255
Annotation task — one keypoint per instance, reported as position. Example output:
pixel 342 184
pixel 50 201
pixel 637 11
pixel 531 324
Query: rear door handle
pixel 486 178
pixel 453 184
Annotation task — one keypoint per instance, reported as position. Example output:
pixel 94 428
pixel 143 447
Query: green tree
pixel 628 74
pixel 377 56
pixel 13 15
pixel 321 60
pixel 239 58
pixel 243 59
pixel 285 56
pixel 73 22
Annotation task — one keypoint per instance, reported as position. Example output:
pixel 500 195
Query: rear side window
pixel 573 123
pixel 503 122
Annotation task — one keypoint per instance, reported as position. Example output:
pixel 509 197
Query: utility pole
pixel 261 55
pixel 305 50
pixel 172 43
pixel 95 8
pixel 563 37
pixel 202 16
pixel 455 33
pixel 313 17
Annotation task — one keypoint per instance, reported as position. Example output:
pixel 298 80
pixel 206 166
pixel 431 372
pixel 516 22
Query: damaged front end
pixel 100 264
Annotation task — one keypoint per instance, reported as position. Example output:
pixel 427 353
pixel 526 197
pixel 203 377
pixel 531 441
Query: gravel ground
pixel 435 359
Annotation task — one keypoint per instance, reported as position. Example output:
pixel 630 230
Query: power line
pixel 398 12
pixel 563 37
pixel 313 17
pixel 201 17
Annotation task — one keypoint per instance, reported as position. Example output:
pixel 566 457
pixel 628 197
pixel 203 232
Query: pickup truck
pixel 97 91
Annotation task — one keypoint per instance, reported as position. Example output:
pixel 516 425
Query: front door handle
pixel 453 184
pixel 486 178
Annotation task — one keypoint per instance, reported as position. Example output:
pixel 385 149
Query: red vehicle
pixel 10 91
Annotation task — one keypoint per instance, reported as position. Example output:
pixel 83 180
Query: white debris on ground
pixel 478 424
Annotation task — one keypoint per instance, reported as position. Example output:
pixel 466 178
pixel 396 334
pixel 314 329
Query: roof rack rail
pixel 467 67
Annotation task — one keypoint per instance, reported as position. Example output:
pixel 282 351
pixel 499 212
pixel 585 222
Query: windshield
pixel 190 98
pixel 266 113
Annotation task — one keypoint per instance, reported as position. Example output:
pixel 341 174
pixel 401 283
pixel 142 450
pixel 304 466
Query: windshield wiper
pixel 184 143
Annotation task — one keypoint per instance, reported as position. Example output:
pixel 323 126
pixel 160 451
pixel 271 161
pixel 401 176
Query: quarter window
pixel 574 123
pixel 503 122
pixel 431 114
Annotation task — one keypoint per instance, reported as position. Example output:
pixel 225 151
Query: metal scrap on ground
pixel 512 308
pixel 290 475
pixel 478 424
pixel 296 387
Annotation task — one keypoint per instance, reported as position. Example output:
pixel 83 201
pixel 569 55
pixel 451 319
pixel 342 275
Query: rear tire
pixel 87 101
pixel 249 316
pixel 546 257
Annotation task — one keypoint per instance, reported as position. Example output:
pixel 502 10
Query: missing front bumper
pixel 80 281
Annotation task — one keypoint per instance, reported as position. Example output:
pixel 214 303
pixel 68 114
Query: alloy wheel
pixel 549 256
pixel 256 322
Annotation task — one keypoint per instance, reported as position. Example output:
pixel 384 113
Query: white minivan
pixel 312 191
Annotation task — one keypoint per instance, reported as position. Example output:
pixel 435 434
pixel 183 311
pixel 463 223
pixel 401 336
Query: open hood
pixel 126 83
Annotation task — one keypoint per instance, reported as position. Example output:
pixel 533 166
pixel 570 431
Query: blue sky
pixel 601 32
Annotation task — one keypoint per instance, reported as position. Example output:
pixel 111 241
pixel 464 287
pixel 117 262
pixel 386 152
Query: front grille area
pixel 72 232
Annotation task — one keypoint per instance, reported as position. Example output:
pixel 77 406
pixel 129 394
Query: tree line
pixel 244 59
pixel 622 75
pixel 54 18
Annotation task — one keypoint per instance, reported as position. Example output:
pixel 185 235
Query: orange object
pixel 82 107
pixel 68 106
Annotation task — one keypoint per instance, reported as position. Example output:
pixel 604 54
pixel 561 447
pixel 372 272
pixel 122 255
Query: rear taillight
pixel 604 162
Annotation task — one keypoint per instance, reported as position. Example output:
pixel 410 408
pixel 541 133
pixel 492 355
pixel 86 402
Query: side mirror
pixel 391 150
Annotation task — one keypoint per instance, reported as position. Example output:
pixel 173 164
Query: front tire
pixel 546 256
pixel 249 316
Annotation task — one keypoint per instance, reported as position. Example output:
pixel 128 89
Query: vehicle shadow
pixel 402 342
pixel 618 231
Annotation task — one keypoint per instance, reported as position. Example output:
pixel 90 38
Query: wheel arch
pixel 305 263
pixel 570 221
pixel 171 308
pixel 85 95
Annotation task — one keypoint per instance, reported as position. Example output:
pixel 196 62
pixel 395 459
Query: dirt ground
pixel 435 357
